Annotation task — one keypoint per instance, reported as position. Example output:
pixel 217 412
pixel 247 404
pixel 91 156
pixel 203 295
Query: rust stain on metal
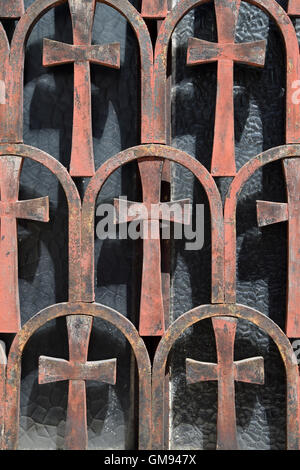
pixel 154 9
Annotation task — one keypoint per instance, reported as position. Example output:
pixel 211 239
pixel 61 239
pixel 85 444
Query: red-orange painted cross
pixel 151 304
pixel 226 52
pixel 274 212
pixel 10 210
pixel 226 372
pixel 81 53
pixel 77 371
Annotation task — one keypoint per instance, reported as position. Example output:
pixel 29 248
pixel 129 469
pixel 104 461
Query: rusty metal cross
pixel 274 212
pixel 81 53
pixel 77 370
pixel 226 52
pixel 151 303
pixel 226 372
pixel 10 210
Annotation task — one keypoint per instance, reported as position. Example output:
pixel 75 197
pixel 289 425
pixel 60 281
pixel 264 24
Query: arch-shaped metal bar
pixel 60 310
pixel 74 205
pixel 138 153
pixel 14 124
pixel 278 153
pixel 270 7
pixel 230 310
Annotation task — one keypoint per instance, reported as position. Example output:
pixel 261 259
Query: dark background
pixel 43 260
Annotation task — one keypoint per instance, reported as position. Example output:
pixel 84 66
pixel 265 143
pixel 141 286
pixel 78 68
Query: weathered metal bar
pixel 3 364
pixel 154 9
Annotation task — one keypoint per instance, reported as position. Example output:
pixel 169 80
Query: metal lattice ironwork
pixel 153 156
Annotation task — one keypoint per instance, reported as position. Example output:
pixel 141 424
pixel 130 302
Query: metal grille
pixel 153 156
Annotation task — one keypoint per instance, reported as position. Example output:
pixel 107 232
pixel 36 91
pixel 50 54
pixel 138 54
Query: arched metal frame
pixel 165 153
pixel 13 374
pixel 15 74
pixel 81 216
pixel 285 25
pixel 74 205
pixel 241 312
pixel 278 153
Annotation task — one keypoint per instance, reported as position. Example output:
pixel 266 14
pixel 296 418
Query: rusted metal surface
pixel 67 309
pixel 140 153
pixel 81 53
pixel 278 153
pixel 287 30
pixel 77 370
pixel 226 372
pixel 154 9
pixel 222 312
pixel 226 53
pixel 154 158
pixel 12 209
pixel 271 213
pixel 11 9
pixel 294 8
pixel 12 130
pixel 152 322
pixel 74 205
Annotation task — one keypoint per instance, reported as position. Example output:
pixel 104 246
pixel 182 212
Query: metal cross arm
pixel 57 53
pixel 81 53
pixel 275 212
pixel 77 371
pixel 226 53
pixel 12 209
pixel 226 372
pixel 202 52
